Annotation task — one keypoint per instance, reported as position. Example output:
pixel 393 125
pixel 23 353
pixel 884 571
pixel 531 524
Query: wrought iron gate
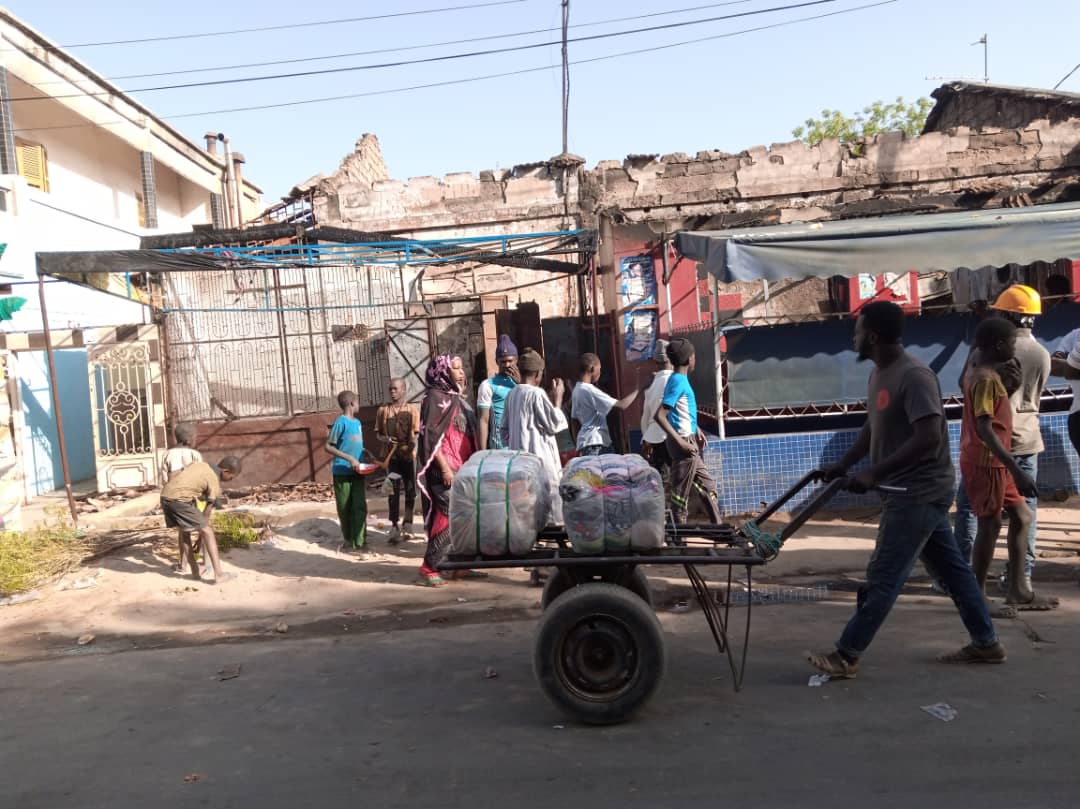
pixel 127 404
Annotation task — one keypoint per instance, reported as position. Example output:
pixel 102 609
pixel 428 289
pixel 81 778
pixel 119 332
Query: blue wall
pixel 41 453
pixel 758 469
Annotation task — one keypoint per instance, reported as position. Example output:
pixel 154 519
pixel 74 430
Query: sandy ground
pixel 298 583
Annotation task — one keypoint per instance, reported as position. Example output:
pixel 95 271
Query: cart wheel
pixel 558 583
pixel 631 577
pixel 599 653
pixel 638 584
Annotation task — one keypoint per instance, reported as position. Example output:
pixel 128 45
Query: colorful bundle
pixel 612 504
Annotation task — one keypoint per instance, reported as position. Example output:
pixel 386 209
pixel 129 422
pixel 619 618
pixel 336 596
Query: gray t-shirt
pixel 1034 370
pixel 590 406
pixel 900 395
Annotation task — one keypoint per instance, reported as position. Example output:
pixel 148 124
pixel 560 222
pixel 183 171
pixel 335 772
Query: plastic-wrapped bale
pixel 612 503
pixel 499 503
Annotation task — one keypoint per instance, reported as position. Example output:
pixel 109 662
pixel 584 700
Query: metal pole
pixel 565 79
pixel 666 278
pixel 61 443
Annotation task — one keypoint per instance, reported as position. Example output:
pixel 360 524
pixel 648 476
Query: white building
pixel 85 167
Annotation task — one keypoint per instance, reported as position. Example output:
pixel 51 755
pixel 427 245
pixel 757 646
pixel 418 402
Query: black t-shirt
pixel 899 395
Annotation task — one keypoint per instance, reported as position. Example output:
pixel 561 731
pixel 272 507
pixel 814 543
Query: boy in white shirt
pixel 589 408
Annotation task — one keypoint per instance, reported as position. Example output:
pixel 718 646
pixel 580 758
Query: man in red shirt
pixel 992 477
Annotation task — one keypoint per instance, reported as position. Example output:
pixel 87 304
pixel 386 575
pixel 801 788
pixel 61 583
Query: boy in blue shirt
pixel 346 444
pixel 677 417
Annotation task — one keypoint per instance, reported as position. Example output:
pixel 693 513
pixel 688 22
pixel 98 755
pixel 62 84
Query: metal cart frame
pixel 600 655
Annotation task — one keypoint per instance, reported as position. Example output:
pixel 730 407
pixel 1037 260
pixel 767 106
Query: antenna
pixel 984 41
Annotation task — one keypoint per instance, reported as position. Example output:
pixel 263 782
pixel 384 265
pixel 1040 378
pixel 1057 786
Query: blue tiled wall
pixel 758 469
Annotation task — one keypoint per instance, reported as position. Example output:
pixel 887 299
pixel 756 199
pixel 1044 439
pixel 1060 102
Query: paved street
pixel 408 719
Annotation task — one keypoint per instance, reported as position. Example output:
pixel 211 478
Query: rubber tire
pixel 633 617
pixel 561 581
pixel 638 584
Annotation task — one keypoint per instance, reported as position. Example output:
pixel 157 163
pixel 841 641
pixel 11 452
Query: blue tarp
pixel 815 364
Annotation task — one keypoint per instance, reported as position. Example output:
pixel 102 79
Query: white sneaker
pixel 394 537
pixel 407 533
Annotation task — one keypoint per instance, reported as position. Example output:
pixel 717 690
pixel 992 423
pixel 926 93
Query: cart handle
pixel 769 544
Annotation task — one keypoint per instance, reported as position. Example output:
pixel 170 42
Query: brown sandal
pixel 975 654
pixel 833 664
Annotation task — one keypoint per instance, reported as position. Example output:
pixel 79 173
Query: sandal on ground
pixel 975 654
pixel 1037 603
pixel 433 580
pixel 1001 611
pixel 833 664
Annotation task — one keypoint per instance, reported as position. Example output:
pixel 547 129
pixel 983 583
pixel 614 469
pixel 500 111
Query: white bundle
pixel 612 503
pixel 499 503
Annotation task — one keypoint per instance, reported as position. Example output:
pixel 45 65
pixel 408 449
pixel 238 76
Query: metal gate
pixel 408 349
pixel 278 341
pixel 127 406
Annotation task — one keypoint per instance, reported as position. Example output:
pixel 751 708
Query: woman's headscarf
pixel 440 375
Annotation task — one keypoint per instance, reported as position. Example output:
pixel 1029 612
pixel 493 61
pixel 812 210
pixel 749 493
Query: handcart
pixel 599 652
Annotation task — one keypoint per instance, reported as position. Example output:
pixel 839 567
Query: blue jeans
pixel 965 523
pixel 908 530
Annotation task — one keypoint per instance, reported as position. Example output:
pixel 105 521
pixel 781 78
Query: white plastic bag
pixel 499 503
pixel 612 504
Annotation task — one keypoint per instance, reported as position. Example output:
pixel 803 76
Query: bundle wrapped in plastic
pixel 612 503
pixel 499 503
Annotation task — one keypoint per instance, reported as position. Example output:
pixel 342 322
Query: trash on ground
pixel 87 639
pixel 20 598
pixel 230 672
pixel 193 778
pixel 84 583
pixel 818 680
pixel 942 711
pixel 490 673
pixel 281 627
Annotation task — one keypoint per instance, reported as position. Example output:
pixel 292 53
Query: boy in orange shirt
pixel 992 478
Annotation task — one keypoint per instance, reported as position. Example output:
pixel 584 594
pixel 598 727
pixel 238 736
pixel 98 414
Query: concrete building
pixel 985 148
pixel 85 167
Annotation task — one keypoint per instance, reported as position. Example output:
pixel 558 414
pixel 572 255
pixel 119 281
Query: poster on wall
pixel 637 298
pixel 639 328
pixel 637 282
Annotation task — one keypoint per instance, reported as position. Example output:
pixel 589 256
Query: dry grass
pixel 31 558
pixel 237 529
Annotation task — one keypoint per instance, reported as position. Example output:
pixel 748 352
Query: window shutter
pixel 32 164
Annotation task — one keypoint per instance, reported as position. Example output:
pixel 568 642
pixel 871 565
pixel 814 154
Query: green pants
pixel 351 509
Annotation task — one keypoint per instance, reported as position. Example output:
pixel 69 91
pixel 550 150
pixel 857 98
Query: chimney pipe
pixel 211 142
pixel 230 184
pixel 238 189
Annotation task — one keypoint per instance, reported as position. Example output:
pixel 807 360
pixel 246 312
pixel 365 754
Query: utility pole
pixel 565 79
pixel 984 41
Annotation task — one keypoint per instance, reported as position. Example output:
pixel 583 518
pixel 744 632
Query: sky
pixel 731 92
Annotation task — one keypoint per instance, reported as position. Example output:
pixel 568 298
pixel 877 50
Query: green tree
pixel 899 116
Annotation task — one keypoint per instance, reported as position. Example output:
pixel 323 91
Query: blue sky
pixel 729 93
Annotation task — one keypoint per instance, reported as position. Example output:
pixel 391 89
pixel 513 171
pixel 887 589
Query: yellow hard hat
pixel 1020 299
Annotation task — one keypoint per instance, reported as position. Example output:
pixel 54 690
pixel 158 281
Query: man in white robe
pixel 531 420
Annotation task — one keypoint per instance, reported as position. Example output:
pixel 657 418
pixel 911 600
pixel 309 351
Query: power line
pixel 205 34
pixel 1066 78
pixel 431 59
pixel 486 77
pixel 487 38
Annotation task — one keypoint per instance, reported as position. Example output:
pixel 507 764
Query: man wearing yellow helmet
pixel 1020 305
